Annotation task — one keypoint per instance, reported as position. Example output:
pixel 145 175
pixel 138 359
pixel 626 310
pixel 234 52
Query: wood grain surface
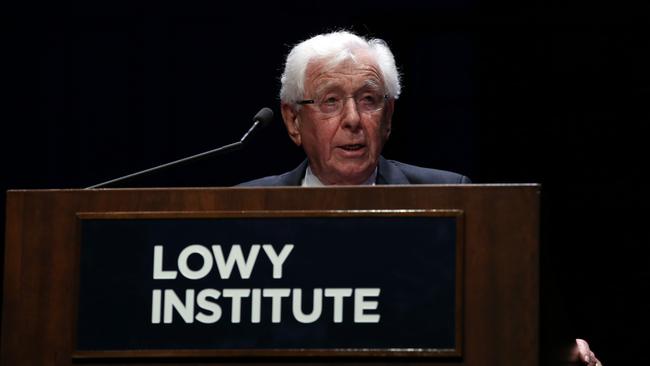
pixel 500 279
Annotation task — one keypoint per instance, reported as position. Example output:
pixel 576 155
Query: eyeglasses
pixel 331 104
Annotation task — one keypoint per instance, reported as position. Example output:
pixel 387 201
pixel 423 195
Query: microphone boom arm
pixel 261 119
pixel 231 147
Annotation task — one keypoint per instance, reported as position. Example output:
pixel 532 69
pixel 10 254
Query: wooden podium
pixel 498 268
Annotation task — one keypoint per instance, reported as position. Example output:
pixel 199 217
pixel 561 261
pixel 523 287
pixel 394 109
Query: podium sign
pixel 336 283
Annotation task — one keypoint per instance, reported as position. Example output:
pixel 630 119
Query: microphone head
pixel 264 116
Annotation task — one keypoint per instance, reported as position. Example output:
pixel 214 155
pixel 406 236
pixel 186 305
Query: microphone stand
pixel 261 119
pixel 231 147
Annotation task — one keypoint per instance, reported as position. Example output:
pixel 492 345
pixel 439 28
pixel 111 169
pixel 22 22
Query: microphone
pixel 262 119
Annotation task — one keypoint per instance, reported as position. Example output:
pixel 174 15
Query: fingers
pixel 586 355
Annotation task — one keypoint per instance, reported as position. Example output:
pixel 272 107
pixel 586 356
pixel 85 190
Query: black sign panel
pixel 274 281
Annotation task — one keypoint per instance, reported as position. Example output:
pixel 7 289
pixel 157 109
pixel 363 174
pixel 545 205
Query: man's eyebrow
pixel 372 83
pixel 328 86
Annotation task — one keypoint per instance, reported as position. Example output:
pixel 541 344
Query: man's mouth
pixel 352 147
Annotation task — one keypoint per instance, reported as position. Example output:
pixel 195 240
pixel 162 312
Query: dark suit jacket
pixel 388 172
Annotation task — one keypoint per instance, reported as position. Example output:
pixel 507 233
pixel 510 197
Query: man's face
pixel 342 148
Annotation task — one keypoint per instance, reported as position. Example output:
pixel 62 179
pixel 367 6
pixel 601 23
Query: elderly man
pixel 337 97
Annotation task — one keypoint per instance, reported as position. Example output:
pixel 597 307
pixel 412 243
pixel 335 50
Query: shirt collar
pixel 311 180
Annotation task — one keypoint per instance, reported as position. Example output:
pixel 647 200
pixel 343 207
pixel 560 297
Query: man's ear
pixel 388 117
pixel 291 121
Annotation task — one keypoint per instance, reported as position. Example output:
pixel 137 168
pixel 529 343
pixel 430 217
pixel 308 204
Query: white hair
pixel 335 48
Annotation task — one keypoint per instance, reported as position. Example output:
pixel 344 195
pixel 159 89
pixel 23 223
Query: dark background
pixel 549 92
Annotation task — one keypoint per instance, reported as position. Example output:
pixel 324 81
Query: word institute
pixel 203 305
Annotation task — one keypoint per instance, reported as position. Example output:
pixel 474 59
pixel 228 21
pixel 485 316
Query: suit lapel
pixel 294 177
pixel 388 173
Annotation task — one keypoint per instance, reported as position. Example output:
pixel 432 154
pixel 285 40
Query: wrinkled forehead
pixel 351 71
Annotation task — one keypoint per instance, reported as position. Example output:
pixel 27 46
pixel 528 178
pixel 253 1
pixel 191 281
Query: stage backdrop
pixel 499 91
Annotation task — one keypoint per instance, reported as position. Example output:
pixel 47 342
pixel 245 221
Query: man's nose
pixel 350 115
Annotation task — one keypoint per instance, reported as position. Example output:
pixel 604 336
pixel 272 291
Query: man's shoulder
pixel 270 181
pixel 395 172
pixel 291 178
